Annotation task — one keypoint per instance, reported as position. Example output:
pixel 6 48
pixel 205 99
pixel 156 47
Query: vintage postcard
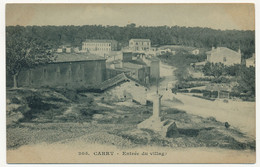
pixel 130 83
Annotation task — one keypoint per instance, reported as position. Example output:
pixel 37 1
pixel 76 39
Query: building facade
pixel 140 44
pixel 67 70
pixel 155 69
pixel 224 55
pixel 99 45
pixel 124 87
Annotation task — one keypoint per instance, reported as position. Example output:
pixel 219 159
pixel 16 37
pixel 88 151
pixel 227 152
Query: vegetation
pixel 245 76
pixel 24 50
pixel 160 35
pixel 181 60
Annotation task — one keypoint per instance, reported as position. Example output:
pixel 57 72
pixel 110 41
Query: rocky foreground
pixel 59 115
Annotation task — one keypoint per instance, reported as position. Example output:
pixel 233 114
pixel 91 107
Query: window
pixel 69 72
pixel 44 73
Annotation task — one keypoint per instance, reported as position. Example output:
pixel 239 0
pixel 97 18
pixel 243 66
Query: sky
pixel 216 16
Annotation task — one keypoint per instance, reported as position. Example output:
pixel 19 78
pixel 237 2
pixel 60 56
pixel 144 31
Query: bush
pixel 214 94
pixel 221 80
pixel 195 91
pixel 183 90
pixel 206 94
pixel 234 94
pixel 174 111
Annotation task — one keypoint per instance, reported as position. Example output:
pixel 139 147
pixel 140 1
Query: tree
pixel 207 69
pixel 24 51
pixel 246 80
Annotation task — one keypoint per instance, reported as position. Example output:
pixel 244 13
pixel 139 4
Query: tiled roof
pixel 141 40
pixel 138 61
pixel 120 78
pixel 222 50
pixel 112 81
pixel 99 41
pixel 251 58
pixel 73 57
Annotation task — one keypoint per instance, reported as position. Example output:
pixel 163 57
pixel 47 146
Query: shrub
pixel 195 91
pixel 206 94
pixel 183 91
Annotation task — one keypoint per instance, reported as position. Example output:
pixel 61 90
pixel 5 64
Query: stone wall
pixel 71 74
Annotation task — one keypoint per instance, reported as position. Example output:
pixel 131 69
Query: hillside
pixel 54 36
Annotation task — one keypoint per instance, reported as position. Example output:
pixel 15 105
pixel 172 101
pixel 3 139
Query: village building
pixel 124 87
pixel 99 45
pixel 250 61
pixel 138 45
pixel 66 70
pixel 133 65
pixel 224 55
pixel 127 56
pixel 140 72
pixel 59 50
pixel 68 50
pixel 155 69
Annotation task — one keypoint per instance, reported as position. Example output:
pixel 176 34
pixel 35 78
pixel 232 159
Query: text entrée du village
pixel 123 153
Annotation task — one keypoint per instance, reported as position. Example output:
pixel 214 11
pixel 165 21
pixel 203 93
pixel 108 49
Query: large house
pixel 99 45
pixel 224 55
pixel 66 70
pixel 140 44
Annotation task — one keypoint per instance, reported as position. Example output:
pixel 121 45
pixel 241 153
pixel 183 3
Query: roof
pixel 131 65
pixel 219 87
pixel 137 61
pixel 251 58
pixel 222 50
pixel 200 63
pixel 120 78
pixel 74 57
pixel 141 40
pixel 153 58
pixel 99 41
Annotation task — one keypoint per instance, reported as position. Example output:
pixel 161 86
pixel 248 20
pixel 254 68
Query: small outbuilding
pixel 124 87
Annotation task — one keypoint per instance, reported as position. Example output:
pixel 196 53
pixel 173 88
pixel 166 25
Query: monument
pixel 166 128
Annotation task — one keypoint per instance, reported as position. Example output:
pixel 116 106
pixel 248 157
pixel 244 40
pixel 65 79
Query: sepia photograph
pixel 130 83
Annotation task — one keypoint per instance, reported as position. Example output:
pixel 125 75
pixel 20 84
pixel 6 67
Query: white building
pixel 140 44
pixel 68 50
pixel 99 45
pixel 224 55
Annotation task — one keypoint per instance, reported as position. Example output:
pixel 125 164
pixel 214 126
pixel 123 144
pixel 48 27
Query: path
pixel 239 114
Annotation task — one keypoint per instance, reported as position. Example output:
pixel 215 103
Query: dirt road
pixel 239 114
